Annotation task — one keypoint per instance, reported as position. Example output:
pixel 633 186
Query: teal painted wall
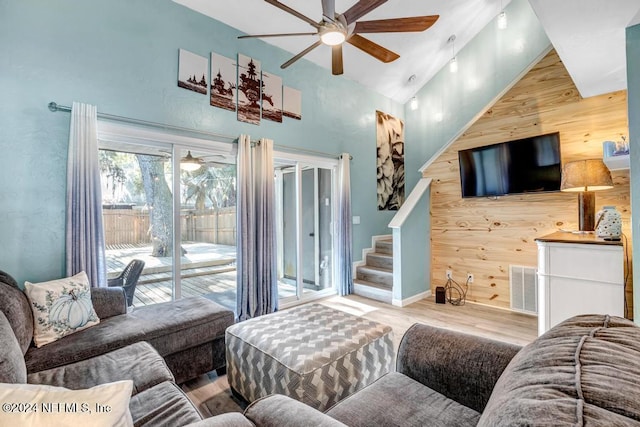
pixel 450 102
pixel 487 65
pixel 633 96
pixel 122 56
pixel 414 241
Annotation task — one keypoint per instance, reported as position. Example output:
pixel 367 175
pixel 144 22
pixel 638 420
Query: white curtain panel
pixel 84 232
pixel 343 225
pixel 256 225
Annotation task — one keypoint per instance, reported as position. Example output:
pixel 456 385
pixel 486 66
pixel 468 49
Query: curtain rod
pixel 53 107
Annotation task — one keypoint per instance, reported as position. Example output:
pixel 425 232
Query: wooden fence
pixel 131 226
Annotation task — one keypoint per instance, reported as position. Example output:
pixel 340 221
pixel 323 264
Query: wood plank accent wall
pixel 484 236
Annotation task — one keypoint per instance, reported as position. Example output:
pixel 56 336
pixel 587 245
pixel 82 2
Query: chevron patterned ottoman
pixel 311 353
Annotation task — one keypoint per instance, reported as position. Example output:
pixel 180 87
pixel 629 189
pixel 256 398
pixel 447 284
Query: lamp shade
pixel 585 175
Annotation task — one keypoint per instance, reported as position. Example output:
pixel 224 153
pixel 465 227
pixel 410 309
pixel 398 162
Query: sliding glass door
pixel 305 212
pixel 207 216
pixel 182 224
pixel 137 202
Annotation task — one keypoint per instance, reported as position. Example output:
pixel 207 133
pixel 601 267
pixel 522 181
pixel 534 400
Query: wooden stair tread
pixel 374 269
pixel 380 255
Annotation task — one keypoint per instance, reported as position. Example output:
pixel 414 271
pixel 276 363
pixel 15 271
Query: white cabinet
pixel 578 274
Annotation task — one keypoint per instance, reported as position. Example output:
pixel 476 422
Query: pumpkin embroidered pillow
pixel 60 308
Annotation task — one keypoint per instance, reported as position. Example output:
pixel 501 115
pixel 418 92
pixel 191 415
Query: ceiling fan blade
pixel 380 53
pixel 254 36
pixel 336 60
pixel 329 9
pixel 398 25
pixel 301 54
pixel 360 9
pixel 295 13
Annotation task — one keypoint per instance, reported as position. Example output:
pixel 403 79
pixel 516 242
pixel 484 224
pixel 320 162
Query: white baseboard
pixel 411 300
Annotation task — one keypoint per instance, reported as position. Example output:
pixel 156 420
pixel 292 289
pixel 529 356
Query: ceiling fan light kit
pixel 190 163
pixel 332 34
pixel 334 29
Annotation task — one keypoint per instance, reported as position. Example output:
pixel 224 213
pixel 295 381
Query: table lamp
pixel 585 177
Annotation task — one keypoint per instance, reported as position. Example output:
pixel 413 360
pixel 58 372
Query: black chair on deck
pixel 128 279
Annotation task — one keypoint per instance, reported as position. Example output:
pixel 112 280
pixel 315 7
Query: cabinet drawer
pixel 587 262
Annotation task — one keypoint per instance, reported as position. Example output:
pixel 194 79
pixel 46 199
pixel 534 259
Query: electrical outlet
pixel 449 275
pixel 469 278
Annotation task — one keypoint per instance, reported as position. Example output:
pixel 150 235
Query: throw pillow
pixel 42 405
pixel 60 307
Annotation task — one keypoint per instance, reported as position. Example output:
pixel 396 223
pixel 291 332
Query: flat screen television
pixel 526 165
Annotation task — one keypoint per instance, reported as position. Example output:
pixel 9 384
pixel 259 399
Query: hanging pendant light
pixel 453 62
pixel 190 163
pixel 502 18
pixel 413 103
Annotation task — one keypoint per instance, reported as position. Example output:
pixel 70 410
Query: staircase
pixel 374 279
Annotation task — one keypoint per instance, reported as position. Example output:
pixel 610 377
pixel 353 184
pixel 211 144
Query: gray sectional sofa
pixel 585 371
pixel 188 333
pixel 157 347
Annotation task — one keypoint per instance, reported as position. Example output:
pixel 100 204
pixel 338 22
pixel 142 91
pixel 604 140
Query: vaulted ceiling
pixel 588 35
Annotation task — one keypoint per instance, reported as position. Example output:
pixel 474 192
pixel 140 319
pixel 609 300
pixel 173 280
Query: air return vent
pixel 524 289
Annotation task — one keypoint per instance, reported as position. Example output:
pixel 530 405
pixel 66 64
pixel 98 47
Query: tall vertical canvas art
pixel 249 89
pixel 223 82
pixel 192 72
pixel 271 97
pixel 390 161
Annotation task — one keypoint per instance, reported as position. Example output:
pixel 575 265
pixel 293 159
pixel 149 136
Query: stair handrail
pixel 410 203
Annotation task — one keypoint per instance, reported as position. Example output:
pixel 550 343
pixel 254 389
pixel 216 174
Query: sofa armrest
pixel 282 411
pixel 463 367
pixel 138 362
pixel 108 302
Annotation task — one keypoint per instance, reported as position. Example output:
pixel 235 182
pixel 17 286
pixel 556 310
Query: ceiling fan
pixel 192 163
pixel 336 28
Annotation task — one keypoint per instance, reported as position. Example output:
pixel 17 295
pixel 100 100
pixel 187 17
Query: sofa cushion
pixel 168 327
pixel 163 405
pixel 60 307
pixel 396 399
pixel 15 306
pixel 12 367
pixel 584 371
pixel 278 410
pixel 138 362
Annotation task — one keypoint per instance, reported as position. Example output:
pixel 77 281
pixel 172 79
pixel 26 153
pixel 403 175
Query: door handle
pixel 312 234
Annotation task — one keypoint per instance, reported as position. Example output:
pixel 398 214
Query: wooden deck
pixel 219 286
pixel 207 270
pixel 197 255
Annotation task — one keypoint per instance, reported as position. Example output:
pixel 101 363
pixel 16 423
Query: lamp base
pixel 587 211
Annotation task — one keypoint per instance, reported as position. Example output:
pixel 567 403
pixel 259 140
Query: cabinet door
pixel 570 297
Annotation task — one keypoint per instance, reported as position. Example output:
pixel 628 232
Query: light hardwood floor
pixel 211 393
